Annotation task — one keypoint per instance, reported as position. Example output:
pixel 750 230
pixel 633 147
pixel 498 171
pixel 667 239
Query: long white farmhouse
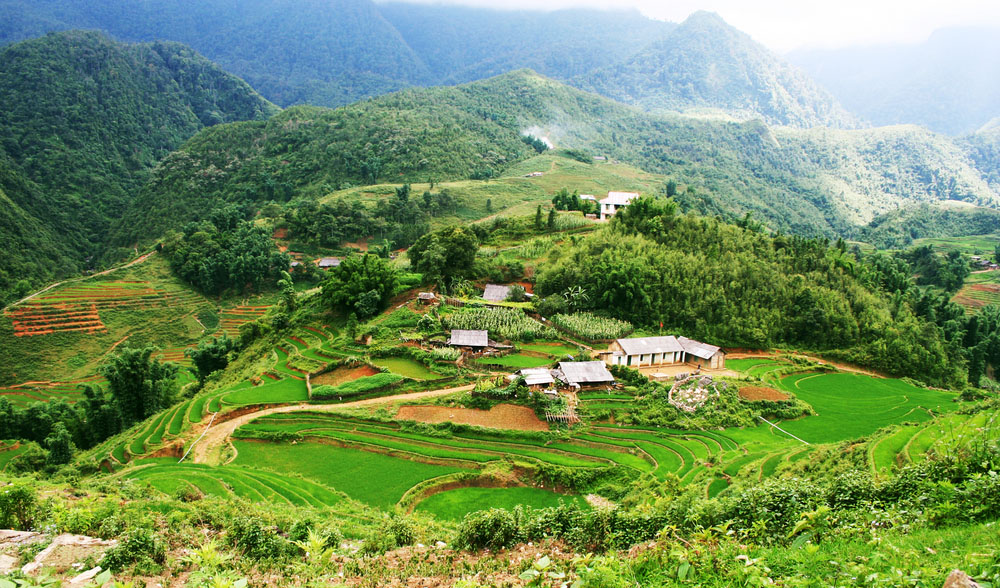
pixel 648 351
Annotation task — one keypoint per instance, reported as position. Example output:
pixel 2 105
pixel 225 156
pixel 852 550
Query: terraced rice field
pixel 77 307
pixel 980 290
pixel 231 319
pixel 29 392
pixel 233 481
pixel 453 505
pixel 850 406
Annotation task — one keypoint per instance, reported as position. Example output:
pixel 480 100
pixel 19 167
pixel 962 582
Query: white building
pixel 615 201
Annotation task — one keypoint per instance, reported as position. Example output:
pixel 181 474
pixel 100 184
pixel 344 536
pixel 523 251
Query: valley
pixel 343 294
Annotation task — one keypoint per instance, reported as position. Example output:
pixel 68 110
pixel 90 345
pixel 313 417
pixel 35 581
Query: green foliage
pixel 899 228
pixel 140 385
pixel 225 254
pixel 254 539
pixel 446 254
pixel 361 284
pixel 18 506
pixel 211 355
pixel 140 548
pixel 358 387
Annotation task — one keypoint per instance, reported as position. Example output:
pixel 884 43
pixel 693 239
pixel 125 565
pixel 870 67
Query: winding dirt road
pixel 209 448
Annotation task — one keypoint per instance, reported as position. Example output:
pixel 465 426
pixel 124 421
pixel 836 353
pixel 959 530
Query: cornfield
pixel 591 326
pixel 446 353
pixel 502 323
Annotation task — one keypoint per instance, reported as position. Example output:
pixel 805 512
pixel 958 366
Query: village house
pixel 578 374
pixel 614 202
pixel 328 262
pixel 496 293
pixel 536 378
pixel 650 351
pixel 426 297
pixel 473 339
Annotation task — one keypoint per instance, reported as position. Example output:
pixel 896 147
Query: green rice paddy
pixel 453 505
pixel 407 368
pixel 516 361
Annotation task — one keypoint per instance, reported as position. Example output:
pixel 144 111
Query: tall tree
pixel 361 284
pixel 139 384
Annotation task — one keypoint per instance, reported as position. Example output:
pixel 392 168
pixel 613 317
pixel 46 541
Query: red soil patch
pixel 361 245
pixel 280 234
pixel 343 374
pixel 501 416
pixel 985 287
pixel 762 393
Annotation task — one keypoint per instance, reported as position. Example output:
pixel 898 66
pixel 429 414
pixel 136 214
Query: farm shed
pixel 537 376
pixel 328 262
pixel 647 351
pixel 496 293
pixel 584 373
pixel 465 338
pixel 426 297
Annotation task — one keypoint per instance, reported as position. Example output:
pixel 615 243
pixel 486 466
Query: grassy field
pixel 453 505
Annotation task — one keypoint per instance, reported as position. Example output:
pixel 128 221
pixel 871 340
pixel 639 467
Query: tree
pixel 365 279
pixel 139 384
pixel 538 218
pixel 551 224
pixel 60 445
pixel 211 356
pixel 671 188
pixel 516 293
pixel 445 254
pixel 287 288
pixel 489 208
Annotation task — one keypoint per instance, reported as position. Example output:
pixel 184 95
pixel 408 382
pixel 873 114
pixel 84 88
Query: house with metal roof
pixel 328 262
pixel 496 293
pixel 466 338
pixel 614 202
pixel 649 351
pixel 585 373
pixel 537 376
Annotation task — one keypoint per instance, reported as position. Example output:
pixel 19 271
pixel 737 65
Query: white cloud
pixel 784 25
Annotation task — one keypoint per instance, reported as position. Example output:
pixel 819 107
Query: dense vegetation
pixel 740 288
pixel 898 229
pixel 225 253
pixel 84 119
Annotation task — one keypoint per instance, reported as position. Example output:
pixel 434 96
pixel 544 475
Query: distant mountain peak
pixel 705 64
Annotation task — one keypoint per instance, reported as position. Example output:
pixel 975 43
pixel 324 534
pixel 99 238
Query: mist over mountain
pixel 949 83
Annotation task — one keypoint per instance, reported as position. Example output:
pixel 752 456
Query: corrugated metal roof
pixel 620 198
pixel 697 348
pixel 647 345
pixel 329 262
pixel 537 376
pixel 495 293
pixel 464 338
pixel 426 296
pixel 585 372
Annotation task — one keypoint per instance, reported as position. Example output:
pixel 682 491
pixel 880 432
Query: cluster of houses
pixel 983 263
pixel 636 352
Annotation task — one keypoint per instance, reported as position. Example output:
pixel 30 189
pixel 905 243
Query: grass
pixel 553 349
pixel 407 368
pixel 515 360
pixel 453 505
pixel 375 479
pixel 849 406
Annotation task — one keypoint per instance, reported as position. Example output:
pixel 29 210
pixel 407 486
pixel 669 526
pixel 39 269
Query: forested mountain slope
pixel 707 64
pixel 85 118
pixel 808 182
pixel 293 51
pixel 462 44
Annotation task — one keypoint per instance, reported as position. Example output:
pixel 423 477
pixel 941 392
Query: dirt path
pixel 135 261
pixel 215 438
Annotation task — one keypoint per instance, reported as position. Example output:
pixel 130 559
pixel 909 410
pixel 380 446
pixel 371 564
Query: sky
pixel 785 25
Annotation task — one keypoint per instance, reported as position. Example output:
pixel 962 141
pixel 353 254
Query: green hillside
pixel 85 119
pixel 805 182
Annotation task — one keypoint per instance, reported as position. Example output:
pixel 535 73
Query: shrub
pixel 140 548
pixel 495 528
pixel 18 506
pixel 250 536
pixel 393 532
